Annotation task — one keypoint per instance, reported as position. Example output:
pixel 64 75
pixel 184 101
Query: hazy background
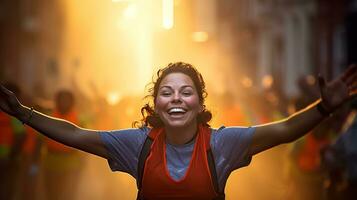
pixel 251 53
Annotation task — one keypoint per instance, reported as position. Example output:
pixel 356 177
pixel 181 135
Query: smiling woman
pixel 177 97
pixel 177 103
pixel 174 153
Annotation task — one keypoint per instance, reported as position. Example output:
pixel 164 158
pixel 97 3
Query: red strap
pixel 154 133
pixel 207 136
pixel 204 129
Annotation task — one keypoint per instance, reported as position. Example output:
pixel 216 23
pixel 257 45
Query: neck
pixel 180 136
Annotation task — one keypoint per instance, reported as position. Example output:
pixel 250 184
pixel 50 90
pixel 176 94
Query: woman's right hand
pixel 60 130
pixel 9 102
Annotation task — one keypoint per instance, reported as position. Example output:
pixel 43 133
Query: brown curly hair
pixel 150 118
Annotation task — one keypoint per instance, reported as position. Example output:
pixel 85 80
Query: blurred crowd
pixel 320 165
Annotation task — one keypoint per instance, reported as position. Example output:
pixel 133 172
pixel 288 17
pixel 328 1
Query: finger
pixel 4 90
pixel 354 83
pixel 350 71
pixel 353 94
pixel 352 79
pixel 322 83
pixel 352 88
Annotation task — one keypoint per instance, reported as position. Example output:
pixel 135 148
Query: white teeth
pixel 176 110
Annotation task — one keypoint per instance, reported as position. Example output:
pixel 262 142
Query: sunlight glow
pixel 247 82
pixel 200 36
pixel 116 1
pixel 130 12
pixel 113 98
pixel 267 81
pixel 167 14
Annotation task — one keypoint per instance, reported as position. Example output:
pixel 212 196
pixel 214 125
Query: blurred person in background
pixel 176 123
pixel 12 136
pixel 232 113
pixel 28 173
pixel 305 173
pixel 340 161
pixel 62 164
pixel 31 163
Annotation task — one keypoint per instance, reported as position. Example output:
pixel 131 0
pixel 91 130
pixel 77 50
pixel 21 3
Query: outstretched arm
pixel 333 95
pixel 57 129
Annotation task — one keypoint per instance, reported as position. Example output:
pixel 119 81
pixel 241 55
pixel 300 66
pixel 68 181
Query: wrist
pixel 323 110
pixel 25 114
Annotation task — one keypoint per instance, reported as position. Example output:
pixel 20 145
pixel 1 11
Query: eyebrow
pixel 169 87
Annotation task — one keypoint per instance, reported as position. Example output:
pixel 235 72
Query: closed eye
pixel 187 93
pixel 165 93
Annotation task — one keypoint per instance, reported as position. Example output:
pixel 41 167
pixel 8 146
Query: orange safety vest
pixel 30 141
pixel 6 131
pixel 6 135
pixel 57 147
pixel 309 157
pixel 195 184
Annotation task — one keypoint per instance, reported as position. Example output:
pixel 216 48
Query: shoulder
pixel 232 131
pixel 230 146
pixel 131 131
pixel 136 135
pixel 231 137
pixel 124 148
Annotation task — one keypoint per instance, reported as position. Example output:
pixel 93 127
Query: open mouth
pixel 176 111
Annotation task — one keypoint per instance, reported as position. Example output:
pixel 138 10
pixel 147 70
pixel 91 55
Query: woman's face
pixel 177 102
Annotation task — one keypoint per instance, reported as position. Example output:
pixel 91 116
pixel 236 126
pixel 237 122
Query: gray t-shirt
pixel 229 147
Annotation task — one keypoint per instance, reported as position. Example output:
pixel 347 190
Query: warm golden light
pixel 200 36
pixel 116 1
pixel 178 2
pixel 113 98
pixel 267 81
pixel 120 44
pixel 272 98
pixel 291 108
pixel 167 14
pixel 130 11
pixel 247 82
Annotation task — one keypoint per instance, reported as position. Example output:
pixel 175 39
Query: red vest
pixel 195 184
pixel 30 141
pixel 6 131
pixel 309 157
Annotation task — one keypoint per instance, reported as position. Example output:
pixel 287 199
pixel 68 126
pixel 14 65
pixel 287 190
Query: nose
pixel 176 97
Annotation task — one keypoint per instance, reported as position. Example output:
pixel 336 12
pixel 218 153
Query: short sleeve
pixel 123 147
pixel 230 146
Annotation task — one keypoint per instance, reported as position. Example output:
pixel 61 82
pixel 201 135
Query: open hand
pixel 339 90
pixel 8 102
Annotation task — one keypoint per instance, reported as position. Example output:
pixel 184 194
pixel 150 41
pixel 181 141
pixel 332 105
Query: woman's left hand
pixel 339 90
pixel 333 94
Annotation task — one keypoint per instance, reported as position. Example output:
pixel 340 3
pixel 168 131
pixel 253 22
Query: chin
pixel 176 125
pixel 181 124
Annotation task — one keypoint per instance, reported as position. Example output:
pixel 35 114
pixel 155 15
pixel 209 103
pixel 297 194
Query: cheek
pixel 193 103
pixel 160 104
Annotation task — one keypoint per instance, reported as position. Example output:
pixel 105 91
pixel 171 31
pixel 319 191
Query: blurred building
pixel 283 39
pixel 288 38
pixel 30 40
pixel 235 43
